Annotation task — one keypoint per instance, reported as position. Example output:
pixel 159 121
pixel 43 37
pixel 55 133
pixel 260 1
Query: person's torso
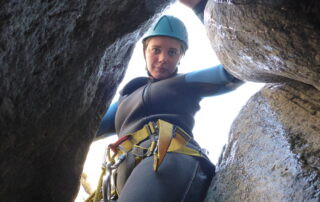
pixel 172 100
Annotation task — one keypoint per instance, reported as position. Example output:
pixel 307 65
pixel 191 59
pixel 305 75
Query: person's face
pixel 162 56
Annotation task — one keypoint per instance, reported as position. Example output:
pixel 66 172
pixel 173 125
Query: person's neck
pixel 151 78
pixel 155 80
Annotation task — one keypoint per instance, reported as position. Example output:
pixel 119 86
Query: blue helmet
pixel 169 26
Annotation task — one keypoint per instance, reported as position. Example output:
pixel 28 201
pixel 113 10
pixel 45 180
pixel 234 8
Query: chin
pixel 161 77
pixel 158 76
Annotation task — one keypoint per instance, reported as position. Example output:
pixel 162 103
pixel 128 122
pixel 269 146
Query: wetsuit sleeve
pixel 107 127
pixel 217 77
pixel 199 9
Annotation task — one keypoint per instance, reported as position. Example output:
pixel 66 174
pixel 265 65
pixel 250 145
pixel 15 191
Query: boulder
pixel 267 40
pixel 273 150
pixel 61 62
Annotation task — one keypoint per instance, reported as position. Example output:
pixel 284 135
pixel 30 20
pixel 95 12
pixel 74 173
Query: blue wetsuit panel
pixel 107 127
pixel 217 76
pixel 214 75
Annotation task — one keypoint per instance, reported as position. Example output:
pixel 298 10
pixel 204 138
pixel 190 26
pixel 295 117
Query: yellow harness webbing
pixel 165 137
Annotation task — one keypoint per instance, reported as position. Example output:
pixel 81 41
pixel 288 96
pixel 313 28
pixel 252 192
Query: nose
pixel 163 57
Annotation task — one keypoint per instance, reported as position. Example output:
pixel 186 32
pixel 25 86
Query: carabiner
pixel 107 184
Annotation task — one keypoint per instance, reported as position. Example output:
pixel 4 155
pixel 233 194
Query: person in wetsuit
pixel 165 95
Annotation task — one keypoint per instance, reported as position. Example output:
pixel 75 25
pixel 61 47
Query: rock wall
pixel 273 152
pixel 61 62
pixel 267 40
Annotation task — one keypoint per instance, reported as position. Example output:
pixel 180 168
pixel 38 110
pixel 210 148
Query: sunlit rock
pixel 273 150
pixel 267 40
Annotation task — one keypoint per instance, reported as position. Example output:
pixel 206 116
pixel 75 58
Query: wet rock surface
pixel 273 152
pixel 267 41
pixel 61 62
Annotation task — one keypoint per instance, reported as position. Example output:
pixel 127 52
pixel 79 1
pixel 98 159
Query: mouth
pixel 161 69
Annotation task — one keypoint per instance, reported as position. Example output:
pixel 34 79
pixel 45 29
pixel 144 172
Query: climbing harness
pixel 106 167
pixel 164 136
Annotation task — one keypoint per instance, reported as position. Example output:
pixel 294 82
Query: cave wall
pixel 273 151
pixel 61 62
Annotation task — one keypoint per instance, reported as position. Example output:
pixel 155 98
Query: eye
pixel 172 52
pixel 155 50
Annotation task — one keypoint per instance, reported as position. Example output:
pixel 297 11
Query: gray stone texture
pixel 61 62
pixel 273 151
pixel 267 40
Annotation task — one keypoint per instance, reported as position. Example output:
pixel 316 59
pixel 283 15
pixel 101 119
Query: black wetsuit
pixel 176 100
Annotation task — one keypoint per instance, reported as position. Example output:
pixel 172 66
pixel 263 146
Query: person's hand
pixel 190 3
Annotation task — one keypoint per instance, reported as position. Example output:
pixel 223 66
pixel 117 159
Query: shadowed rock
pixel 61 62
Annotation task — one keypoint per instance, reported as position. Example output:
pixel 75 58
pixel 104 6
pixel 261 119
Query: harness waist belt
pixel 165 137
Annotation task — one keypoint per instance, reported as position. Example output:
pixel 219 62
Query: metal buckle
pixel 153 134
pixel 152 128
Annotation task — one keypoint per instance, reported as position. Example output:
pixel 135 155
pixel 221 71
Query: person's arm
pixel 216 76
pixel 197 6
pixel 107 127
pixel 190 3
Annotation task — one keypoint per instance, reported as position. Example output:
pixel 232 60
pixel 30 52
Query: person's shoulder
pixel 133 85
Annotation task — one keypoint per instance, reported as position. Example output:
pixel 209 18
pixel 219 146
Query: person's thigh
pixel 171 183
